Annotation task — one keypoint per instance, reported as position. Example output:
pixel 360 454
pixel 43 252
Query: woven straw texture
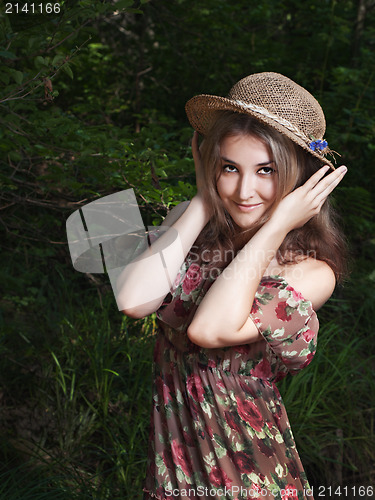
pixel 273 99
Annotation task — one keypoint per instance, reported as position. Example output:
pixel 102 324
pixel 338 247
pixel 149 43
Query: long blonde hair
pixel 320 237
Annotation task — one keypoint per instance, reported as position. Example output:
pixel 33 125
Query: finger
pixel 323 195
pixel 323 183
pixel 315 178
pixel 329 182
pixel 326 189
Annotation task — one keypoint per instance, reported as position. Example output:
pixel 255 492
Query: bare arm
pixel 145 282
pixel 222 318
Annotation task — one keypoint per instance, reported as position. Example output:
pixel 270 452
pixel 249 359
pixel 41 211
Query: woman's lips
pixel 246 207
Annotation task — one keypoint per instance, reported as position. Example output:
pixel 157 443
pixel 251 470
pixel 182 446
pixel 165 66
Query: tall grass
pixel 331 404
pixel 77 398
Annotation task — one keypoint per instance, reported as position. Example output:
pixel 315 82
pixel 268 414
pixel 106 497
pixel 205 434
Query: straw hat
pixel 273 99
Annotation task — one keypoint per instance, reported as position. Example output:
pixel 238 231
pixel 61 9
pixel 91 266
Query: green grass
pixel 331 404
pixel 77 398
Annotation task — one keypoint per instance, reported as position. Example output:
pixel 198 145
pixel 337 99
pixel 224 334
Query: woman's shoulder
pixel 313 278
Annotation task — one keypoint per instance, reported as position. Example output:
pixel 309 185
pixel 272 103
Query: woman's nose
pixel 246 187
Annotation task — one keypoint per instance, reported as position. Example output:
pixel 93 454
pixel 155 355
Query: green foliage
pixel 92 102
pixel 78 399
pixel 328 404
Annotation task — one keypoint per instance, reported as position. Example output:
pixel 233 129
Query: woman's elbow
pixel 140 310
pixel 135 313
pixel 201 337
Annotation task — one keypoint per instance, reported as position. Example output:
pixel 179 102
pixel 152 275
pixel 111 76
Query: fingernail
pixel 344 169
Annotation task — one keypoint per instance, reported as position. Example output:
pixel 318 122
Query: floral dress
pixel 219 429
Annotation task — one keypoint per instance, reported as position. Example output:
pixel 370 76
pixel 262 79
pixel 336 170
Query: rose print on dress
pixel 192 279
pixel 262 369
pixel 283 311
pixel 195 387
pixel 308 335
pixel 218 478
pixel 289 493
pixel 181 458
pixel 233 421
pixel 268 451
pixel 249 412
pixel 179 308
pixel 243 461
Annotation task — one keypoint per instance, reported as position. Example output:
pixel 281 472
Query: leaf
pixel 31 41
pixel 158 460
pixel 288 438
pixel 220 441
pixel 4 77
pixel 221 452
pixel 68 70
pixel 180 475
pixel 57 60
pixel 134 11
pixel 279 470
pixel 15 156
pixel 17 76
pixel 304 352
pixel 279 332
pixel 40 62
pixel 179 397
pixel 7 54
pixel 123 4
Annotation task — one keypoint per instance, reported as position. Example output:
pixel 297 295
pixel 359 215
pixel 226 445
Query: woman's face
pixel 248 179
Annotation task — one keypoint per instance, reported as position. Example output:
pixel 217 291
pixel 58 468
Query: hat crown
pixel 274 100
pixel 284 99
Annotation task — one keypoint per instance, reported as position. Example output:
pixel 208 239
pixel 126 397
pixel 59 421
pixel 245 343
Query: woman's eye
pixel 266 170
pixel 229 168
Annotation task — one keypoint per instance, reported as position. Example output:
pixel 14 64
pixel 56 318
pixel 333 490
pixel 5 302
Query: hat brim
pixel 201 111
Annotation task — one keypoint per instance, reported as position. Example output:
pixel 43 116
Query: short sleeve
pixel 286 321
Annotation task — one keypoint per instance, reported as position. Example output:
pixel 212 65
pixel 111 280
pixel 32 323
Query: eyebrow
pixel 263 164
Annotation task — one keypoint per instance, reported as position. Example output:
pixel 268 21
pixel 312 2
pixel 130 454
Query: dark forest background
pixel 92 96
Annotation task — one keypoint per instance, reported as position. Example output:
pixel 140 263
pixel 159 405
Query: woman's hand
pixel 299 206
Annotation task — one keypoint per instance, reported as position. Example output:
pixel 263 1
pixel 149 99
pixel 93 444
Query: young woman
pixel 252 257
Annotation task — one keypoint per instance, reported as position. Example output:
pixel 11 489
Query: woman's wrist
pixel 276 228
pixel 199 205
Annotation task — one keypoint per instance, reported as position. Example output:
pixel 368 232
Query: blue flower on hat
pixel 318 144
